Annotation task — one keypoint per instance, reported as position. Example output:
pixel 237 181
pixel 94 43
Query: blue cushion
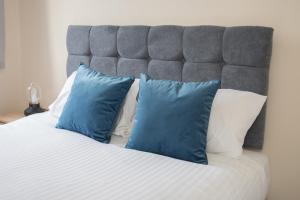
pixel 94 103
pixel 172 118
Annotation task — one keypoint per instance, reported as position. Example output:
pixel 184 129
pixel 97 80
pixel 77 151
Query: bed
pixel 39 161
pixel 58 164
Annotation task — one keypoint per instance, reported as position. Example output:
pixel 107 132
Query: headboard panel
pixel 238 56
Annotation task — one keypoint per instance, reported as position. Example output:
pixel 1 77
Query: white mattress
pixel 38 161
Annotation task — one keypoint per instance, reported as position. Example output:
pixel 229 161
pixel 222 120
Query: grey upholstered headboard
pixel 238 56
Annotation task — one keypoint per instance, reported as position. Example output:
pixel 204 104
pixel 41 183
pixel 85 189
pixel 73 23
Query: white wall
pixel 11 83
pixel 1 33
pixel 43 57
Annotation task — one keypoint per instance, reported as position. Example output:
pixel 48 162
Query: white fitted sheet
pixel 38 161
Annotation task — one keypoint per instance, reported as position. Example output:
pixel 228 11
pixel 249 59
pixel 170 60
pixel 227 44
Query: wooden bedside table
pixel 10 117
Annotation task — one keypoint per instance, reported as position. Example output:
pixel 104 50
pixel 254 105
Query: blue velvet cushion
pixel 172 118
pixel 94 103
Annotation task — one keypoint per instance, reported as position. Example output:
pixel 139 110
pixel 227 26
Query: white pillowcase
pixel 232 114
pixel 57 106
pixel 126 114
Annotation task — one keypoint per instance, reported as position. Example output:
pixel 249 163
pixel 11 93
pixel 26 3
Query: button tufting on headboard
pixel 238 56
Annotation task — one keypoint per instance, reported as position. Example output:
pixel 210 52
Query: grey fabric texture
pixel 238 56
pixel 203 44
pixel 106 65
pixel 132 67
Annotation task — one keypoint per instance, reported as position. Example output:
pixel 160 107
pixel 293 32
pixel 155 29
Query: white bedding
pixel 38 162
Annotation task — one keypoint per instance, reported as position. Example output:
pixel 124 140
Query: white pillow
pixel 232 114
pixel 57 106
pixel 126 114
